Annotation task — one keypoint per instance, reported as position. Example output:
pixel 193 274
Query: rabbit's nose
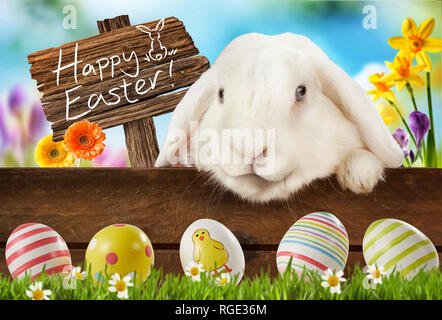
pixel 259 161
pixel 250 153
pixel 260 158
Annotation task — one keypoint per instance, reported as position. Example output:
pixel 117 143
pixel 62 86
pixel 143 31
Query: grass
pixel 425 286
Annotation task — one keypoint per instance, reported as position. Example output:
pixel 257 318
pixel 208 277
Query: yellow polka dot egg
pixel 122 249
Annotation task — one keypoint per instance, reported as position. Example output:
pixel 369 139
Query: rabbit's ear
pixel 144 29
pixel 160 25
pixel 352 100
pixel 188 112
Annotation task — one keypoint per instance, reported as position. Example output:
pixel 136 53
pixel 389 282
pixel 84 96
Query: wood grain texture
pixel 185 72
pixel 144 109
pixel 108 25
pixel 117 42
pixel 141 143
pixel 77 202
pixel 141 139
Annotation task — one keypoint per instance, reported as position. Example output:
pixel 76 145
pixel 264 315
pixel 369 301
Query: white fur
pixel 335 129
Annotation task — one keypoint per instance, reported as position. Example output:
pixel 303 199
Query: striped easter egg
pixel 317 242
pixel 33 247
pixel 397 245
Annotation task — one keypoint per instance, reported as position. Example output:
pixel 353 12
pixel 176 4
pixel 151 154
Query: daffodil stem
pixel 79 163
pixel 411 92
pixel 431 140
pixel 430 102
pixel 403 121
pixel 413 99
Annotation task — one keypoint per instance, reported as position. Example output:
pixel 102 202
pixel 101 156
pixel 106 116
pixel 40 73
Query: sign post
pixel 125 75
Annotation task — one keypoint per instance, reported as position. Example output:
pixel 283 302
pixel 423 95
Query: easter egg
pixel 32 247
pixel 212 246
pixel 397 245
pixel 122 249
pixel 318 241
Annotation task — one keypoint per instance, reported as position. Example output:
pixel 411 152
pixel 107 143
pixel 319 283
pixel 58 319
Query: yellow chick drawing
pixel 209 252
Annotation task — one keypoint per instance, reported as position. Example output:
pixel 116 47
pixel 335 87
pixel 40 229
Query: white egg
pixel 212 247
pixel 397 245
pixel 317 242
pixel 34 247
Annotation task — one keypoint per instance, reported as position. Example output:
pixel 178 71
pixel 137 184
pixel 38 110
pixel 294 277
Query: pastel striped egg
pixel 317 242
pixel 397 245
pixel 34 246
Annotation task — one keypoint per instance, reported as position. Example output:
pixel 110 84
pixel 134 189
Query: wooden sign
pixel 126 75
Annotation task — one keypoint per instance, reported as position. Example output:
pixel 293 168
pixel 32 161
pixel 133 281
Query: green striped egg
pixel 317 242
pixel 397 245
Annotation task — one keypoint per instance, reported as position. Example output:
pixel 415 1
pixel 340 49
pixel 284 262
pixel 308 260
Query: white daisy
pixel 223 279
pixel 375 273
pixel 77 274
pixel 333 280
pixel 194 270
pixel 120 286
pixel 36 292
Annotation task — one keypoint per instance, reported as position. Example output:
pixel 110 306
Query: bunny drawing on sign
pixel 323 122
pixel 157 51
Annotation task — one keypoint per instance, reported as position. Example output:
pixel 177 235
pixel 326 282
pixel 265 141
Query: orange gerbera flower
pixel 85 139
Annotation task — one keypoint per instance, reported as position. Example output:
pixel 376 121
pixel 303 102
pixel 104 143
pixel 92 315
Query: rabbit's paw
pixel 360 172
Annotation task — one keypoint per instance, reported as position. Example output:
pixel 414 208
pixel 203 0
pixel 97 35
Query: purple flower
pixel 4 134
pixel 37 121
pixel 419 125
pixel 402 139
pixel 17 97
pixel 111 160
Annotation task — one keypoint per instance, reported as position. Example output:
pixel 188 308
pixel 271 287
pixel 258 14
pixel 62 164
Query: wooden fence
pixel 163 202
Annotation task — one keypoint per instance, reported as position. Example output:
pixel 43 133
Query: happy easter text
pixel 104 65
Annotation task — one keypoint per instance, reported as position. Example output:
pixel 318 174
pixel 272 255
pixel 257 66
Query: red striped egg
pixel 317 242
pixel 33 247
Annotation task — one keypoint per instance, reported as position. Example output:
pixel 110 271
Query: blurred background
pixel 336 26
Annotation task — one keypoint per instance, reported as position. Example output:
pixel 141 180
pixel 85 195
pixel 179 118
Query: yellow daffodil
pixel 382 88
pixel 387 113
pixel 53 154
pixel 416 41
pixel 403 71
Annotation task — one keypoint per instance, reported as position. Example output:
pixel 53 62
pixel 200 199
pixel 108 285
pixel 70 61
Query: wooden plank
pixel 124 40
pixel 169 261
pixel 185 72
pixel 119 22
pixel 140 133
pixel 164 201
pixel 147 108
pixel 141 143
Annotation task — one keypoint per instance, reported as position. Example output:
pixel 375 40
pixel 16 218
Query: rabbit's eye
pixel 221 95
pixel 300 92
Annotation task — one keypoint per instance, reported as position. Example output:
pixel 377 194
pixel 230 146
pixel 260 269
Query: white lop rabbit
pixel 322 119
